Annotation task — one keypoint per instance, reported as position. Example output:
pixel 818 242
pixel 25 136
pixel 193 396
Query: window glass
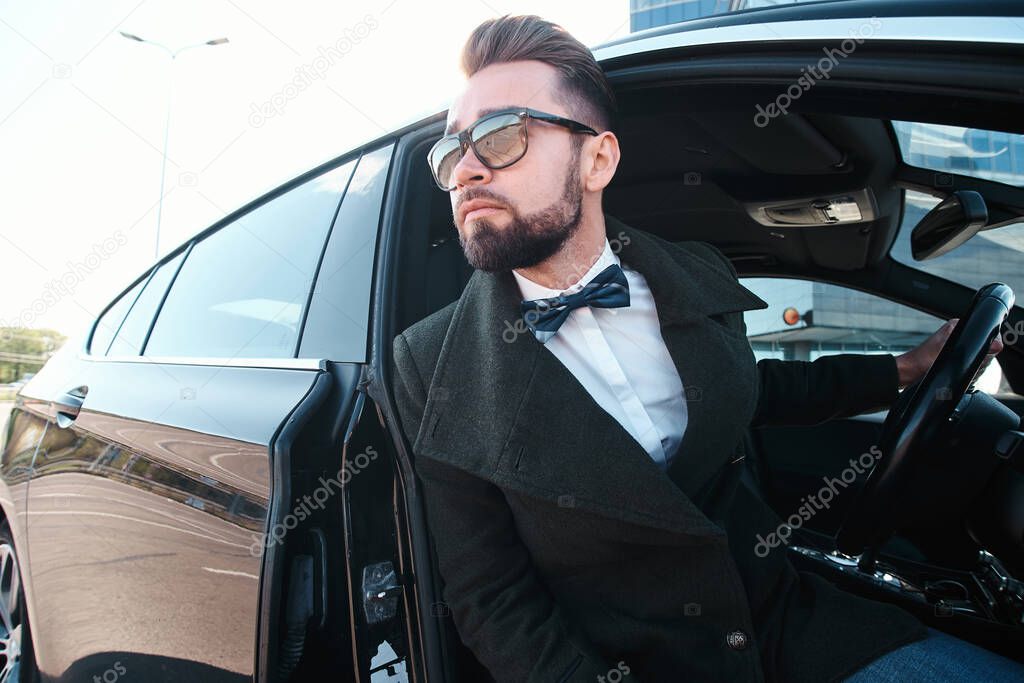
pixel 990 256
pixel 132 335
pixel 806 320
pixel 338 321
pixel 243 289
pixel 110 321
pixel 988 154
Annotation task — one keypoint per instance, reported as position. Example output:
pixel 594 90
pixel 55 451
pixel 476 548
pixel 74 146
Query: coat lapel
pixel 503 407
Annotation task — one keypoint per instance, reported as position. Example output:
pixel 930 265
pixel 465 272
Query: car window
pixel 242 290
pixel 990 256
pixel 338 321
pixel 132 335
pixel 806 320
pixel 989 154
pixel 110 321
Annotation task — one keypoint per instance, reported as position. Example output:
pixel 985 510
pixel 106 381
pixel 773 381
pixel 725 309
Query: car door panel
pixel 25 427
pixel 154 477
pixel 149 515
pixel 799 461
pixel 806 320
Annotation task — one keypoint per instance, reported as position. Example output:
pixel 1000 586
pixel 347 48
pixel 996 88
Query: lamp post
pixel 167 119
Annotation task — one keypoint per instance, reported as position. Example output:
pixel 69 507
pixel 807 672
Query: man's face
pixel 535 204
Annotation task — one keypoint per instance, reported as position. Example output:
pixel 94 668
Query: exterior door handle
pixel 69 404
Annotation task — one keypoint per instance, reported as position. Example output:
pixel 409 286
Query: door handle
pixel 69 404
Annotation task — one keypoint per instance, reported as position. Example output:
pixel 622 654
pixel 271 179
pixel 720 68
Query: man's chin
pixel 492 222
pixel 478 231
pixel 496 249
pixel 484 256
pixel 491 259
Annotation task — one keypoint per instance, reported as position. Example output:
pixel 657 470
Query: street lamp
pixel 167 123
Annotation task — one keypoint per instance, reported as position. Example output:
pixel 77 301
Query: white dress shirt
pixel 620 358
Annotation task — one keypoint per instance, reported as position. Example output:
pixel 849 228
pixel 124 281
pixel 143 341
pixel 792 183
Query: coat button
pixel 737 640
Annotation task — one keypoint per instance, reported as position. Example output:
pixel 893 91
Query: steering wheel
pixel 906 434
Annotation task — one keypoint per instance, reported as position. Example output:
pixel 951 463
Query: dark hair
pixel 585 89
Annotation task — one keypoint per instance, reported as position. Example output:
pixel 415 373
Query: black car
pixel 212 484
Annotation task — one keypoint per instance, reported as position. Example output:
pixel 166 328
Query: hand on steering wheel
pixel 913 364
pixel 907 432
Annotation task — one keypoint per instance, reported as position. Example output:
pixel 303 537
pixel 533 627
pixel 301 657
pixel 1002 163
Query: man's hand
pixel 913 364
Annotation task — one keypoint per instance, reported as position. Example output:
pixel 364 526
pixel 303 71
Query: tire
pixel 17 657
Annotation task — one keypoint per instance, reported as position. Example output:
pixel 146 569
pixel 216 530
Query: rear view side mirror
pixel 954 221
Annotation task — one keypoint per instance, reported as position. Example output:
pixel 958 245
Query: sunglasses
pixel 498 140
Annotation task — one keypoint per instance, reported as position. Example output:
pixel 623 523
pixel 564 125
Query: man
pixel 581 455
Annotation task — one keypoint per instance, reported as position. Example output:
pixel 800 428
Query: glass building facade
pixel 650 13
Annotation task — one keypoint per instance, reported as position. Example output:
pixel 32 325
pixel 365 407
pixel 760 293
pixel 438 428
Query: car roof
pixel 828 9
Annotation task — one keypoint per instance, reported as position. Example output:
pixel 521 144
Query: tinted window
pixel 990 154
pixel 132 334
pixel 827 319
pixel 995 255
pixel 336 327
pixel 242 291
pixel 108 323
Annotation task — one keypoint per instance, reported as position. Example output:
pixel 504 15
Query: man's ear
pixel 600 158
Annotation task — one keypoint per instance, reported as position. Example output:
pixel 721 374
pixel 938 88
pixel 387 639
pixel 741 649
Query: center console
pixel 983 605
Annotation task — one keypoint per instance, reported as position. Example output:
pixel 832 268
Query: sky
pixel 83 113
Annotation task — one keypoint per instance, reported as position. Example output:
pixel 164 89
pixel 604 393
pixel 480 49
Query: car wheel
pixel 17 662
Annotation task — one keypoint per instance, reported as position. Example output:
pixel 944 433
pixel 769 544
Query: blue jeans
pixel 939 657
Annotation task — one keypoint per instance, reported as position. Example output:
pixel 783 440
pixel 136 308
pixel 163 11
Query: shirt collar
pixel 533 290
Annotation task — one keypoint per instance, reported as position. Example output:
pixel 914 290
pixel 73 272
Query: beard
pixel 527 239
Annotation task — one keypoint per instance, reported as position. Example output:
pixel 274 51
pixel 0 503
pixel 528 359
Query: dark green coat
pixel 567 553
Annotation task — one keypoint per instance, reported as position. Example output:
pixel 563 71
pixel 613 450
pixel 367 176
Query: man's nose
pixel 469 170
